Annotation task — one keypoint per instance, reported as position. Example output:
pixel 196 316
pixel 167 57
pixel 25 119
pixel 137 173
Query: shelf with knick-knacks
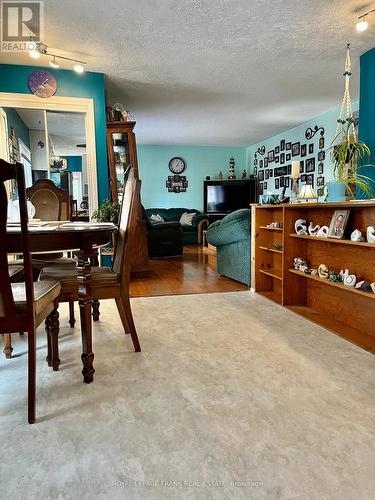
pixel 328 265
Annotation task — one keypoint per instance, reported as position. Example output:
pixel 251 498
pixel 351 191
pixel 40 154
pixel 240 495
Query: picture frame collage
pixel 274 167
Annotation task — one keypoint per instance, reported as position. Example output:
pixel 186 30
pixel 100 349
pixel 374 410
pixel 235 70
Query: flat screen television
pixel 224 197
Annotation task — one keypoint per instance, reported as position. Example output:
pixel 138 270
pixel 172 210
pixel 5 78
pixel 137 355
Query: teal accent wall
pixel 367 108
pixel 14 78
pixel 200 161
pixel 74 163
pixel 327 120
pixel 14 120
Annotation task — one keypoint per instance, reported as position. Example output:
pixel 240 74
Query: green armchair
pixel 231 237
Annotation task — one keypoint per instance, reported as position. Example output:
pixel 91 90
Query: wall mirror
pixel 54 141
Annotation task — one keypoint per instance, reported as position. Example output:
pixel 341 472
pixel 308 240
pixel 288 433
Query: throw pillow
pixel 187 219
pixel 156 218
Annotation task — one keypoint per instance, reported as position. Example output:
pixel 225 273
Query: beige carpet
pixel 231 398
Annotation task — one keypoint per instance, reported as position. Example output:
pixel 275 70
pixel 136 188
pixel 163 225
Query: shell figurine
pixel 313 230
pixel 323 271
pixel 357 235
pixel 350 280
pixel 371 234
pixel 300 226
pixel 323 232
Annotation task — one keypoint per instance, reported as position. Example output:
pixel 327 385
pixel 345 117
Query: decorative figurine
pixel 300 264
pixel 323 271
pixel 334 277
pixel 365 286
pixel 314 272
pixel 343 273
pixel 277 246
pixel 221 176
pixel 373 287
pixel 244 174
pixel 300 226
pixel 357 235
pixel 371 234
pixel 323 232
pixel 313 230
pixel 232 174
pixel 350 280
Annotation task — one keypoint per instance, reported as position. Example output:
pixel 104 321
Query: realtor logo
pixel 21 25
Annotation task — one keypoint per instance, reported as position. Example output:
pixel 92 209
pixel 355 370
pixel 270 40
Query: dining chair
pixel 24 306
pixel 109 283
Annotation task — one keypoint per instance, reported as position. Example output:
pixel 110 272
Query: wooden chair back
pixel 127 224
pixel 10 321
pixel 50 202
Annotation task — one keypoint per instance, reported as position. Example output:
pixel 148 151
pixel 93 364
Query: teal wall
pixel 200 162
pixel 14 120
pixel 74 163
pixel 14 78
pixel 327 120
pixel 367 107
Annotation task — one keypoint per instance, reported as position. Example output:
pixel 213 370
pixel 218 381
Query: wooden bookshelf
pixel 346 311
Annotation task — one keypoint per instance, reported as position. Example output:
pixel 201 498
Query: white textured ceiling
pixel 213 72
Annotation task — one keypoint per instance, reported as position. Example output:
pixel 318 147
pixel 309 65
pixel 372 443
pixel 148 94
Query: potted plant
pixel 347 155
pixel 107 212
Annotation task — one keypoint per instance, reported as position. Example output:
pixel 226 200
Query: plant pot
pixel 336 191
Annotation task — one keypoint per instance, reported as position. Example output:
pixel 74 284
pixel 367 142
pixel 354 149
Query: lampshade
pixel 307 192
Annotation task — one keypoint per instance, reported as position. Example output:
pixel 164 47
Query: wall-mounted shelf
pixel 327 282
pixel 274 250
pixel 334 241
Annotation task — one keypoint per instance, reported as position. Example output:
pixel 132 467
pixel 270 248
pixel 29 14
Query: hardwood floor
pixel 194 272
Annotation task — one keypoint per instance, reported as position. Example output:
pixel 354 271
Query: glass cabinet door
pixel 121 154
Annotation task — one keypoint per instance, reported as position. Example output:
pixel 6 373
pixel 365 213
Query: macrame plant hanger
pixel 346 112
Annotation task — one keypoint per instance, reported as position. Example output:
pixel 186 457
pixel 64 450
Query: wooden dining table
pixel 82 239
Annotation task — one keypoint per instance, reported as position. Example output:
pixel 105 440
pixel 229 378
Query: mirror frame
pixel 70 104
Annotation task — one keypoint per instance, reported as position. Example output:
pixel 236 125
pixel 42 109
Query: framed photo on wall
pixel 295 149
pixel 282 158
pixel 282 145
pixel 277 184
pixel 310 165
pixel 288 157
pixel 321 143
pixel 303 149
pixel 320 168
pixel 288 145
pixel 271 156
pixel 265 162
pixel 311 149
pixel 321 155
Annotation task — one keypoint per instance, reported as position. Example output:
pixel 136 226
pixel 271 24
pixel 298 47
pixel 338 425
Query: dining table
pixel 82 239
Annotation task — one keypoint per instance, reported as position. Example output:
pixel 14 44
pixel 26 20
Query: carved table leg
pixel 85 305
pixel 7 343
pixel 54 334
pixel 71 314
pixel 49 345
pixel 95 310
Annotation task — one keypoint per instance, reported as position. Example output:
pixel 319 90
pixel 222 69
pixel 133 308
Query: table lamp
pixel 294 178
pixel 307 193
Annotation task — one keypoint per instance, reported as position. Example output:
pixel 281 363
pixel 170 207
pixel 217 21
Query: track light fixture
pixel 38 49
pixel 362 23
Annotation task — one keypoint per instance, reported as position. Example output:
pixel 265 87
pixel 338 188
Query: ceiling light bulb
pixel 53 63
pixel 34 54
pixel 79 68
pixel 362 25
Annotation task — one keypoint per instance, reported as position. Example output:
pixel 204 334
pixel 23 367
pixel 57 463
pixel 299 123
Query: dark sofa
pixel 190 233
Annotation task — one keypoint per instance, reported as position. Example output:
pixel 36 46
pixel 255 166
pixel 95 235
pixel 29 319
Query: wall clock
pixel 177 165
pixel 42 83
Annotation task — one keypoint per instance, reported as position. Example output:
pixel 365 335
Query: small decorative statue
pixel 350 280
pixel 356 235
pixel 373 287
pixel 300 226
pixel 334 276
pixel 314 272
pixel 365 286
pixel 300 264
pixel 371 234
pixel 323 232
pixel 343 273
pixel 221 176
pixel 313 230
pixel 244 174
pixel 323 271
pixel 232 174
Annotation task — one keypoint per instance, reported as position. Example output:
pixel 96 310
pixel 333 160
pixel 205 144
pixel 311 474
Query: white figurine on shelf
pixel 300 226
pixel 357 235
pixel 371 234
pixel 313 230
pixel 323 271
pixel 323 232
